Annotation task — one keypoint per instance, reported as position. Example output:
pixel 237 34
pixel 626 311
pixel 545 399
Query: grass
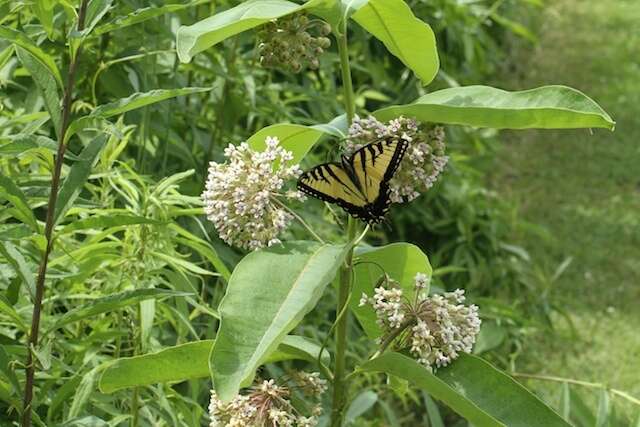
pixel 584 189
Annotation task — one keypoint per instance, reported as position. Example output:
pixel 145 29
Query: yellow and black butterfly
pixel 359 184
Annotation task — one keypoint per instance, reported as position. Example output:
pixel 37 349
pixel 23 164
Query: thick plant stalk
pixel 344 288
pixel 48 230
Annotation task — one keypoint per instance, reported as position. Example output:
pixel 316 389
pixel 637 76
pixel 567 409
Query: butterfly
pixel 359 184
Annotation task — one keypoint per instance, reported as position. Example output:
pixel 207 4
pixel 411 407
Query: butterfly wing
pixel 360 184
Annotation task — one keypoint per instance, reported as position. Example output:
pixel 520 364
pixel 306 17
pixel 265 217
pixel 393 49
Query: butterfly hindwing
pixel 359 184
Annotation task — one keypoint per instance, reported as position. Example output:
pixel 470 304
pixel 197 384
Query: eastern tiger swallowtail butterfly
pixel 359 184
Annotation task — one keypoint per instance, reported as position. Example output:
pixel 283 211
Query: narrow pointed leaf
pixel 269 293
pixel 189 361
pixel 202 35
pixel 405 36
pixel 8 310
pixel 100 222
pixel 401 261
pixel 360 405
pixel 78 175
pixel 19 264
pixel 112 302
pixel 20 39
pixel 138 100
pixel 46 83
pixel 474 389
pixel 604 409
pixel 139 16
pixel 565 402
pixel 547 107
pixel 12 193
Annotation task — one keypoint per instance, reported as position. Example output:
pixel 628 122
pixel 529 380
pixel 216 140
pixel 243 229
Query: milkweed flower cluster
pixel 293 43
pixel 241 196
pixel 435 329
pixel 268 405
pixel 423 162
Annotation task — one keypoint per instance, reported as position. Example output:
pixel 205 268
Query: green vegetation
pixel 152 267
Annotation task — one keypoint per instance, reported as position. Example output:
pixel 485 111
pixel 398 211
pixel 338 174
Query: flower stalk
pixel 32 342
pixel 340 383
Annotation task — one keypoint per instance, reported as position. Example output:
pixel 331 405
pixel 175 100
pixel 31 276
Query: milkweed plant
pixel 421 336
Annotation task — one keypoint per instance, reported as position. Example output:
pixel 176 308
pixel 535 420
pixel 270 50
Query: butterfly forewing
pixel 360 184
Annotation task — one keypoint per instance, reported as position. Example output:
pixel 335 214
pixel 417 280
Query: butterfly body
pixel 359 183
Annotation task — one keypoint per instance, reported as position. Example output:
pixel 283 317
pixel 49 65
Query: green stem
pixel 344 287
pixel 349 99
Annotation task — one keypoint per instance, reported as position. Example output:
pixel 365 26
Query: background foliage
pixel 136 269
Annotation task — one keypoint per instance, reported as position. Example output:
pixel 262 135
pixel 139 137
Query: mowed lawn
pixel 583 188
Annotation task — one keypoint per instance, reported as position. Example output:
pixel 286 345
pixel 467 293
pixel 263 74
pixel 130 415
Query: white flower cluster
pixel 435 329
pixel 240 195
pixel 423 162
pixel 445 327
pixel 266 405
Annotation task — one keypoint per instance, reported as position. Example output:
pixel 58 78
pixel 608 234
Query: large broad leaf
pixel 474 389
pixel 139 100
pixel 112 302
pixel 78 175
pixel 268 294
pixel 202 35
pixel 298 139
pixel 405 36
pixel 401 261
pixel 20 39
pixel 189 361
pixel 548 107
pixel 46 84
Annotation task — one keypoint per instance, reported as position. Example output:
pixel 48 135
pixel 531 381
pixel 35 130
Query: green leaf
pixel 472 388
pixel 83 392
pixel 298 139
pixel 19 264
pixel 604 409
pixel 405 36
pixel 189 361
pixel 138 100
pixel 565 402
pixel 202 35
pixel 360 405
pixel 433 412
pixel 100 222
pixel 491 336
pixel 6 309
pixel 20 39
pixel 21 143
pixel 547 107
pixel 46 83
pixel 580 410
pixel 268 294
pixel 401 261
pixel 14 195
pixel 141 15
pixel 112 302
pixel 78 175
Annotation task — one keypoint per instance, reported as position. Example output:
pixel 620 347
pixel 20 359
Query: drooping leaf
pixel 77 177
pixel 604 409
pixel 547 107
pixel 408 38
pixel 7 370
pixel 401 261
pixel 86 387
pixel 112 302
pixel 472 388
pixel 8 310
pixel 140 15
pixel 491 336
pixel 360 405
pixel 21 143
pixel 19 264
pixel 202 35
pixel 189 361
pixel 565 402
pixel 269 292
pixel 433 412
pixel 43 9
pixel 16 197
pixel 138 100
pixel 20 39
pixel 46 83
pixel 106 221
